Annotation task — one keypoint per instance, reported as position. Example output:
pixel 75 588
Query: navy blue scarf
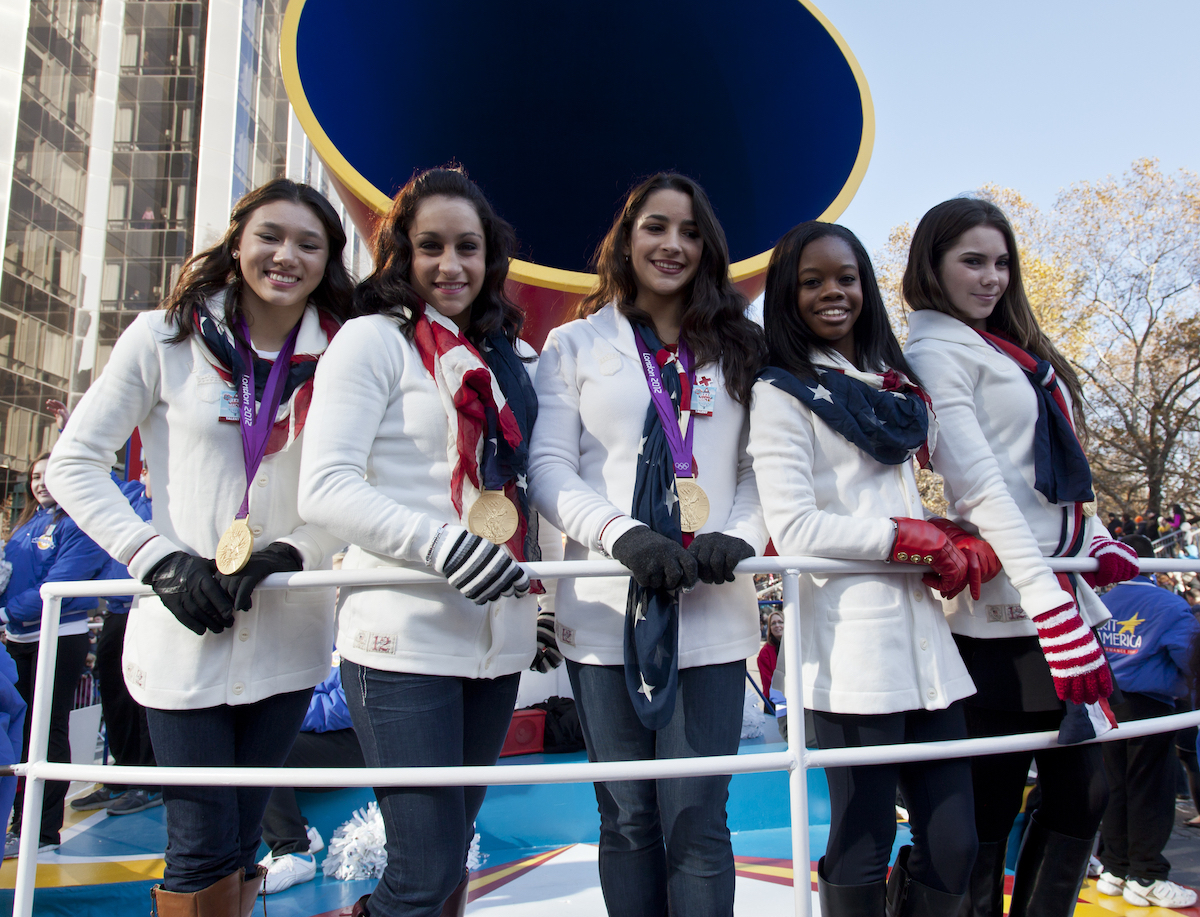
pixel 505 461
pixel 890 425
pixel 1061 470
pixel 652 615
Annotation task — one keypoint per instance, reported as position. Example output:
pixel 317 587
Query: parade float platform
pixel 539 844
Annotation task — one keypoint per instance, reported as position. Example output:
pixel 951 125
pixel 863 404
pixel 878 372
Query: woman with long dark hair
pixel 1015 473
pixel 420 428
pixel 640 455
pixel 838 416
pixel 218 383
pixel 47 546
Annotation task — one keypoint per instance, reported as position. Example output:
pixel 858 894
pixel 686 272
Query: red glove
pixel 1118 562
pixel 1076 661
pixel 982 562
pixel 918 542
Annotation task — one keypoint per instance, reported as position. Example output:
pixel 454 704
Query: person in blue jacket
pixel 45 547
pixel 124 718
pixel 1147 642
pixel 327 739
pixel 12 728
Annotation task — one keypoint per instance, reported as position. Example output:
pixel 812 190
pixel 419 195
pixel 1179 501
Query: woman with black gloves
pixel 218 383
pixel 47 546
pixel 640 455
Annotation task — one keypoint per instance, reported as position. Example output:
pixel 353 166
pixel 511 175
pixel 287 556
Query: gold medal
pixel 1089 508
pixel 235 547
pixel 493 517
pixel 693 504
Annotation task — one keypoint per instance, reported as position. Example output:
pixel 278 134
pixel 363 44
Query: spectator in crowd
pixel 47 546
pixel 124 718
pixel 769 654
pixel 1147 640
pixel 327 739
pixel 12 726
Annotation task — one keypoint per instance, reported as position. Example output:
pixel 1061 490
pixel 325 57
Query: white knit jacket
pixel 986 409
pixel 592 402
pixel 871 644
pixel 375 472
pixel 171 393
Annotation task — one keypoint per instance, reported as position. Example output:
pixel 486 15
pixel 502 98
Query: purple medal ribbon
pixel 256 425
pixel 680 445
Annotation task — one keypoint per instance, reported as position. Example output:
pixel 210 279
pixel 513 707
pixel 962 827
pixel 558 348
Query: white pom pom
pixel 357 849
pixel 752 717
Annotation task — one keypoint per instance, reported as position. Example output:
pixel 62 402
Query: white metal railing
pixel 795 760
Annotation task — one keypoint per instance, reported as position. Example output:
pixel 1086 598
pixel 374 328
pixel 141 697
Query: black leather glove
pixel 655 561
pixel 188 587
pixel 717 554
pixel 547 658
pixel 276 557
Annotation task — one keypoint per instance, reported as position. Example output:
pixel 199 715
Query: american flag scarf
pixel 213 339
pixel 491 408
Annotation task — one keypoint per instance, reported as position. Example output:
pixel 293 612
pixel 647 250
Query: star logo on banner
pixel 645 688
pixel 821 393
pixel 522 482
pixel 1129 625
pixel 642 445
pixel 671 500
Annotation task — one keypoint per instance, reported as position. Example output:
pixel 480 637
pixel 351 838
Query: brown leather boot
pixel 456 904
pixel 251 889
pixel 221 899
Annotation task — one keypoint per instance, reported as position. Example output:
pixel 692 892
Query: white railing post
pixel 797 776
pixel 39 739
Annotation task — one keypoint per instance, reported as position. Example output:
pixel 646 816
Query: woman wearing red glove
pixel 1009 407
pixel 836 418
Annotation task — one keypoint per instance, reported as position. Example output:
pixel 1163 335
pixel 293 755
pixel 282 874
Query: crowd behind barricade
pixel 287 414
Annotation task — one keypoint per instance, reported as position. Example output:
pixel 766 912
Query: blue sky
pixel 1030 95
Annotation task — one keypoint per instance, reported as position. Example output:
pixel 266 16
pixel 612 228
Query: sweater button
pixel 243 634
pixel 918 595
pixel 238 688
pixel 256 530
pixel 931 694
pixel 488 664
pixel 924 644
pixel 262 480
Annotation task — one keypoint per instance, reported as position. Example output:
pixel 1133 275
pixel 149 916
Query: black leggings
pixel 1071 777
pixel 937 793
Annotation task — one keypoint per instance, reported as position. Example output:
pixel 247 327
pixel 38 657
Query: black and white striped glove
pixel 547 658
pixel 479 569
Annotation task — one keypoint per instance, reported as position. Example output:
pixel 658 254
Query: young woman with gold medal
pixel 640 455
pixel 218 383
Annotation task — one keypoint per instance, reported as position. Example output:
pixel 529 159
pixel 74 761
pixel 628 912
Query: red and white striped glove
pixel 1118 562
pixel 1076 661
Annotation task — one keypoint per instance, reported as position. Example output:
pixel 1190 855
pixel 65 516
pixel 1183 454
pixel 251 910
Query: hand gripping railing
pixel 795 760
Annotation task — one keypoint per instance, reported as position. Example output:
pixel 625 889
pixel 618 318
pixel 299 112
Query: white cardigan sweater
pixel 376 472
pixel 592 402
pixel 171 393
pixel 986 409
pixel 871 644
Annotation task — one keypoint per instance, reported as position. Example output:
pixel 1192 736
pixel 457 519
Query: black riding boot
pixel 908 898
pixel 849 900
pixel 985 895
pixel 1050 871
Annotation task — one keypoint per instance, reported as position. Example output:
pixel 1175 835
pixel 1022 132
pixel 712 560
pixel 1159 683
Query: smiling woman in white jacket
pixel 658 671
pixel 225 675
pixel 1008 403
pixel 421 418
pixel 835 422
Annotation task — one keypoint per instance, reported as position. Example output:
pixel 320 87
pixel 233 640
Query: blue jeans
pixel 406 720
pixel 664 844
pixel 213 831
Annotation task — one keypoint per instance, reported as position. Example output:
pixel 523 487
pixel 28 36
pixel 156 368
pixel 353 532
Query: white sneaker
pixel 288 870
pixel 315 842
pixel 1110 885
pixel 1159 893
